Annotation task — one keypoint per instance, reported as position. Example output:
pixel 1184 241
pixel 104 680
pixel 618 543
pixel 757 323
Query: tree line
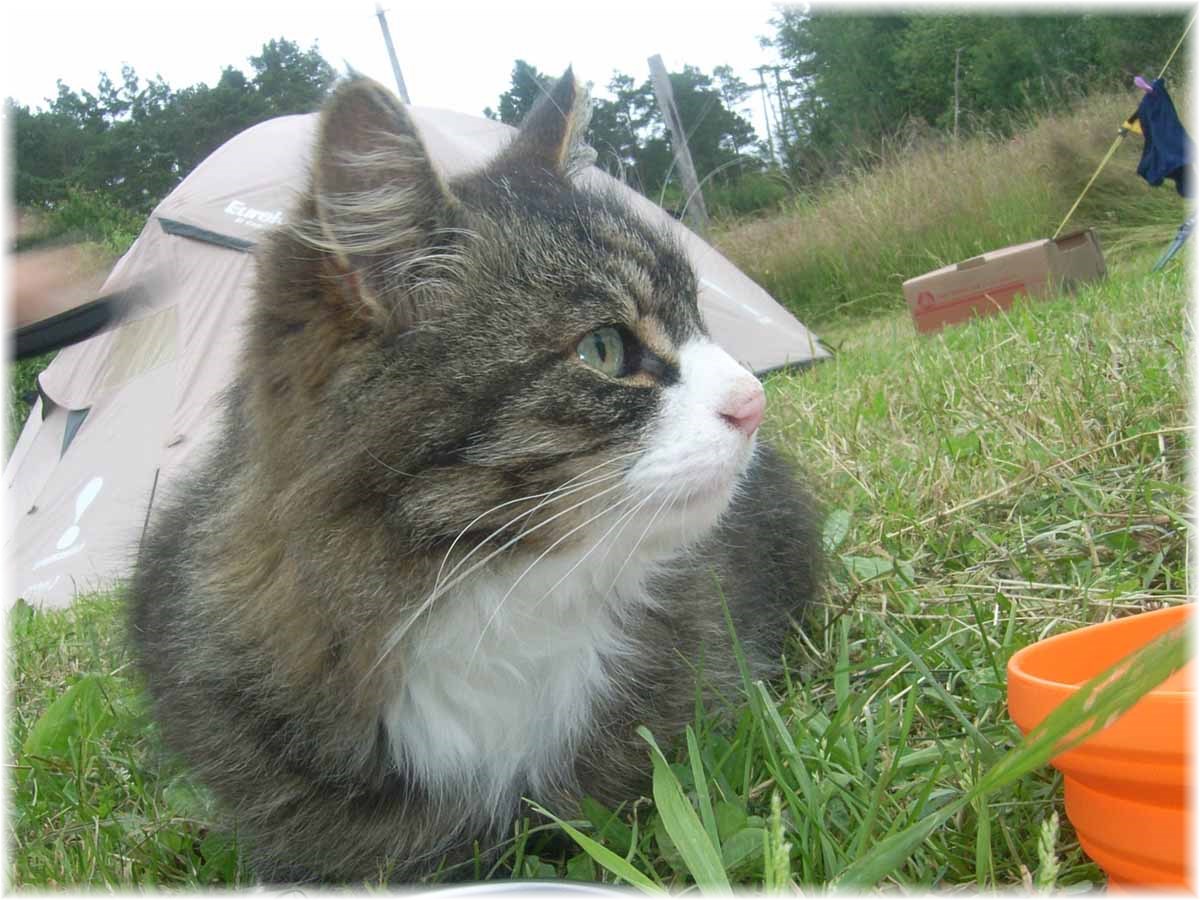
pixel 850 84
pixel 847 85
pixel 854 81
pixel 628 131
pixel 132 142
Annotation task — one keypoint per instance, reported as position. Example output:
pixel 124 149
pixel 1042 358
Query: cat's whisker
pixel 624 519
pixel 496 611
pixel 623 471
pixel 667 501
pixel 393 469
pixel 550 496
pixel 627 519
pixel 399 632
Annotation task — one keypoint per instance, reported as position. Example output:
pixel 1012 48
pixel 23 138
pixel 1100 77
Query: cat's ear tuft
pixel 381 207
pixel 552 134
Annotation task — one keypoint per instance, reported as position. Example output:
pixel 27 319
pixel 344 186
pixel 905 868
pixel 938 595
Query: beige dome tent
pixel 120 415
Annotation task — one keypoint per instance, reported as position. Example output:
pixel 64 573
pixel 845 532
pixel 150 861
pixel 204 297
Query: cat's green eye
pixel 603 350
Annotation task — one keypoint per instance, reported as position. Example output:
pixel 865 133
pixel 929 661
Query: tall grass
pixel 844 251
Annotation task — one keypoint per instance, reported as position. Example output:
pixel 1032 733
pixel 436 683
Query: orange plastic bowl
pixel 1126 788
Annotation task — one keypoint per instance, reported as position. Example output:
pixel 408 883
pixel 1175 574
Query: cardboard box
pixel 985 284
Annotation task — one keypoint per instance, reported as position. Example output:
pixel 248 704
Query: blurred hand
pixel 47 281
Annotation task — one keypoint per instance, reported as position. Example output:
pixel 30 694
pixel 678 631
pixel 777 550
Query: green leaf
pixel 81 711
pixel 581 867
pixel 865 568
pixel 962 444
pixel 20 615
pixel 742 848
pixel 700 783
pixel 989 751
pixel 837 526
pixel 535 868
pixel 187 799
pixel 220 854
pixel 609 827
pixel 868 568
pixel 984 865
pixel 890 853
pixel 683 825
pixel 601 854
pixel 731 818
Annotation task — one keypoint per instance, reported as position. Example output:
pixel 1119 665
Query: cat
pixel 483 487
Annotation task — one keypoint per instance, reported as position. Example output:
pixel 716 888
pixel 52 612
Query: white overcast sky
pixel 453 54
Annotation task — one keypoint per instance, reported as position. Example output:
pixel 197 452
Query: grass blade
pixel 1093 707
pixel 989 750
pixel 701 856
pixel 1087 711
pixel 602 855
pixel 701 783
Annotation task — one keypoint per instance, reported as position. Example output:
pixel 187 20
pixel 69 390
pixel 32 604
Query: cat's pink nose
pixel 744 411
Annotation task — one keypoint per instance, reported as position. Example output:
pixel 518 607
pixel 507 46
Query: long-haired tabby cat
pixel 483 483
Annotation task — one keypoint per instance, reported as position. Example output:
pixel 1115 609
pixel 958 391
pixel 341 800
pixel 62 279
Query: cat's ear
pixel 551 135
pixel 381 207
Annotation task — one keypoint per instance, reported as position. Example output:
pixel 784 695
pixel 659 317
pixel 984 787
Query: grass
pixel 94 801
pixel 841 254
pixel 1019 476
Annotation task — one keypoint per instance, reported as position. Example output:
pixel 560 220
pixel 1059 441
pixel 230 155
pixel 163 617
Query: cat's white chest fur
pixel 501 685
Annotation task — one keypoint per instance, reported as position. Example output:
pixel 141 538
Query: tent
pixel 121 414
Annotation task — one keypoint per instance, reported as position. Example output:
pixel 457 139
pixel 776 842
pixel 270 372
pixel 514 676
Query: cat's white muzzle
pixel 701 442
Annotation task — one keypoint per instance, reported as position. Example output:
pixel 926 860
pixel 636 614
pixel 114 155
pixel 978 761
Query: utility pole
pixel 387 39
pixel 785 118
pixel 693 208
pixel 762 84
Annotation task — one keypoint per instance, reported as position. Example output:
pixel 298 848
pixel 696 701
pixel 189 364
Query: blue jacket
pixel 1167 152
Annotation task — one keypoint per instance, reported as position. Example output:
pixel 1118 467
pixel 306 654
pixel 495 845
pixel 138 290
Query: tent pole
pixel 149 506
pixel 387 39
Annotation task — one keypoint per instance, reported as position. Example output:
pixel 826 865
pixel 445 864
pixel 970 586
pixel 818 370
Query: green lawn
pixel 1013 478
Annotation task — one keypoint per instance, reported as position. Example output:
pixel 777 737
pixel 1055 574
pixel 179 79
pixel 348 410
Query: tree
pixel 862 78
pixel 628 132
pixel 717 137
pixel 617 126
pixel 527 86
pixel 288 80
pixel 135 142
pixel 845 63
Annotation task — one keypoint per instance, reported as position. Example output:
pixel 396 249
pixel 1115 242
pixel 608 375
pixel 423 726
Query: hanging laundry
pixel 1167 152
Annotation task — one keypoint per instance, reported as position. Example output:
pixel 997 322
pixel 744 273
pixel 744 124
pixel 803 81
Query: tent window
pixel 75 418
pixel 139 346
pixel 47 403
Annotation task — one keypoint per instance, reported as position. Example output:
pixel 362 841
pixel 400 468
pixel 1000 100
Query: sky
pixel 453 54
